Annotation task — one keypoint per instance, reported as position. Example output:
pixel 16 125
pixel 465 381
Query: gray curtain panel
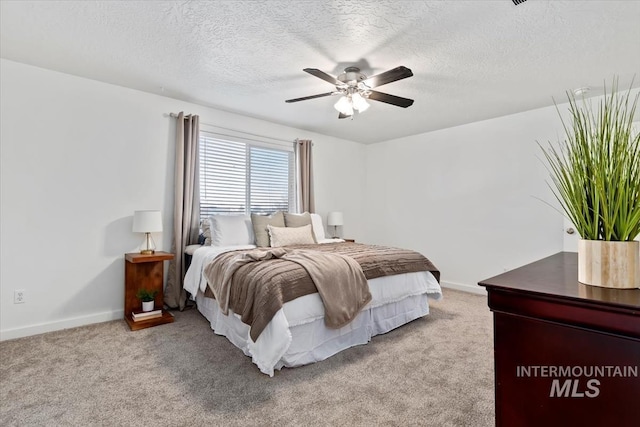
pixel 305 180
pixel 186 212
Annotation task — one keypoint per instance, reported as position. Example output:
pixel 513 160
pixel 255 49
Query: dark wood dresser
pixel 566 354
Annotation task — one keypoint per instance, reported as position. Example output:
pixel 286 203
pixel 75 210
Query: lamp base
pixel 149 245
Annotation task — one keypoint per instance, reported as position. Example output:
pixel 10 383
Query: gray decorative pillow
pixel 260 223
pixel 300 220
pixel 206 231
pixel 297 220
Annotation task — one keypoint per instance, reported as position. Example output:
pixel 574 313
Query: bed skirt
pixel 288 342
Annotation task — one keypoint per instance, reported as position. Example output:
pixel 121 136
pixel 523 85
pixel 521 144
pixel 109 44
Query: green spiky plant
pixel 146 295
pixel 596 169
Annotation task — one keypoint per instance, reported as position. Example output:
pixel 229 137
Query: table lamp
pixel 335 219
pixel 147 222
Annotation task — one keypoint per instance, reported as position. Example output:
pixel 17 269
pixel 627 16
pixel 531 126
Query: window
pixel 239 176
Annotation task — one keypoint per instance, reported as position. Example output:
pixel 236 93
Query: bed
pixel 297 335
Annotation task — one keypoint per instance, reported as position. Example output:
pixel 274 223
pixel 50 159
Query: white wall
pixel 466 197
pixel 77 158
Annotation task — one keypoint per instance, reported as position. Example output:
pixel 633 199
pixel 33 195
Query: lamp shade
pixel 344 106
pixel 359 103
pixel 147 221
pixel 335 218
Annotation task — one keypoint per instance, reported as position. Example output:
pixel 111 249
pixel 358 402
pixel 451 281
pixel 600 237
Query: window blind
pixel 241 177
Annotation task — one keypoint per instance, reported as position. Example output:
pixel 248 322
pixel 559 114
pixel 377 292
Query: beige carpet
pixel 435 371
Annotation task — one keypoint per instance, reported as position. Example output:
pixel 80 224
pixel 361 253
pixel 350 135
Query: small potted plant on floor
pixel 147 298
pixel 596 175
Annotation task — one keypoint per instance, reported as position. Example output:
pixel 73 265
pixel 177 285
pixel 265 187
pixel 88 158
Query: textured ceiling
pixel 472 60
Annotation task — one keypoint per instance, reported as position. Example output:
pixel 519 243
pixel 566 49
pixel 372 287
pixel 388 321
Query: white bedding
pixel 296 335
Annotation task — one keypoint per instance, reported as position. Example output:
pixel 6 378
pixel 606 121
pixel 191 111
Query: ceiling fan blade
pixel 324 76
pixel 343 116
pixel 390 99
pixel 397 73
pixel 304 98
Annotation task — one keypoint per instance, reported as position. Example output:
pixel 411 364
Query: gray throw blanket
pixel 341 284
pixel 339 279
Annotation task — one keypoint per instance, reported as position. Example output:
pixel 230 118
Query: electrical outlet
pixel 19 296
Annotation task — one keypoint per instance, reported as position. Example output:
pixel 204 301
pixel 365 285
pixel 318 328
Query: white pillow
pixel 231 230
pixel 285 236
pixel 191 249
pixel 318 228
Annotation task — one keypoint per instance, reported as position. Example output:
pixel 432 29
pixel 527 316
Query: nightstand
pixel 144 271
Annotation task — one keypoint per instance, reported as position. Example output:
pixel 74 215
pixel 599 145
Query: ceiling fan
pixel 355 88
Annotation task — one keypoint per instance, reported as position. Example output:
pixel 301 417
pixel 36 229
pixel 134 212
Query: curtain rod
pixel 239 131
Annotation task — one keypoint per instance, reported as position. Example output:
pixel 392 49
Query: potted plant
pixel 596 177
pixel 147 298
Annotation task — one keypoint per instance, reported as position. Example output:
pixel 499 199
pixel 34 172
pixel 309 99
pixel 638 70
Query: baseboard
pixel 41 328
pixel 74 322
pixel 473 289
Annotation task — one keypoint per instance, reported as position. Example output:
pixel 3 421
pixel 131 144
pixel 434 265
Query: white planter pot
pixel 147 305
pixel 609 264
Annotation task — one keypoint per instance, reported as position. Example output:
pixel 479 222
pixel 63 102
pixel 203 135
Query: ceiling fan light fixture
pixel 355 89
pixel 359 102
pixel 344 106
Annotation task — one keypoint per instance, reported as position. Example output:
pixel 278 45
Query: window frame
pixel 250 141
